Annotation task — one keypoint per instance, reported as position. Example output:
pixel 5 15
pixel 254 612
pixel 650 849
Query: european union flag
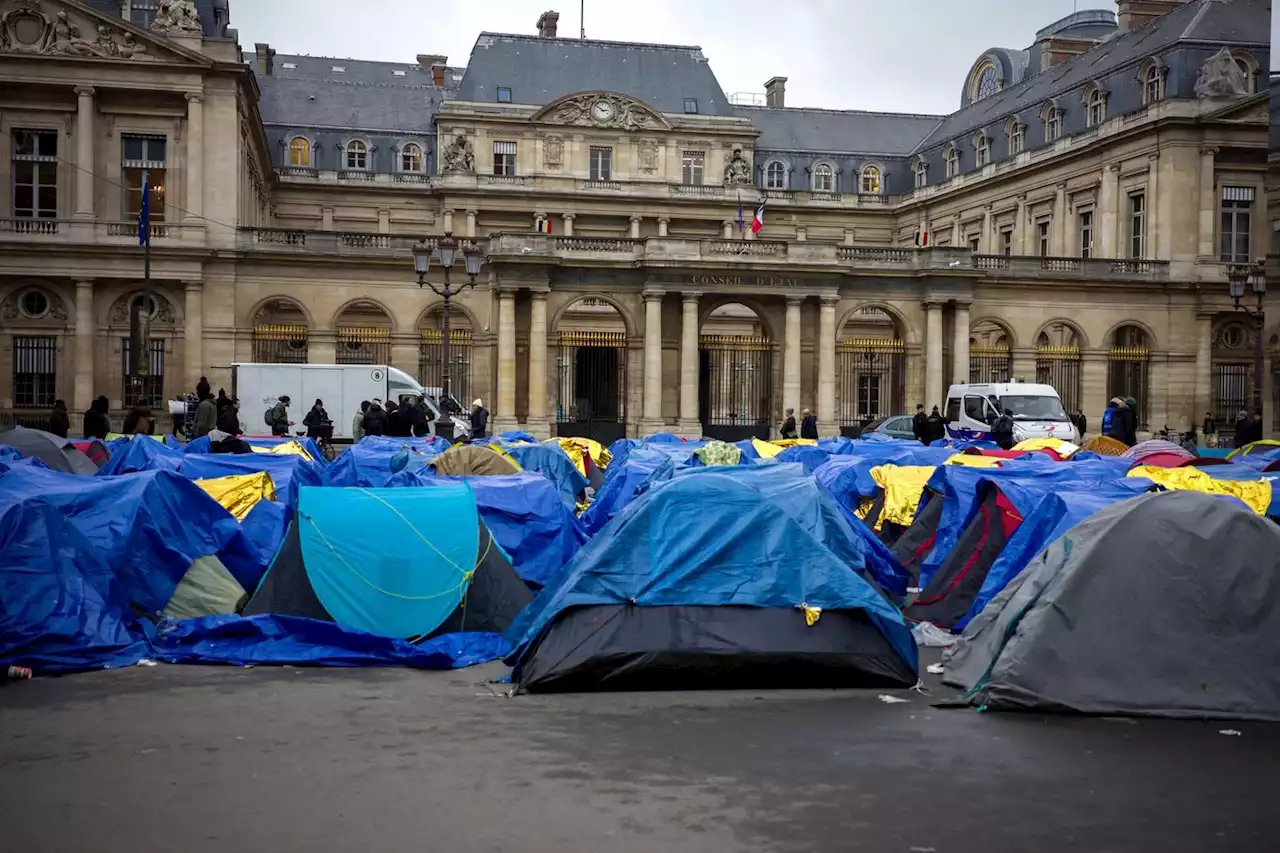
pixel 144 215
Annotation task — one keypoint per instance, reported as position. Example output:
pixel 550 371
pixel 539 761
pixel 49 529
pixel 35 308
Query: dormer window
pixel 1095 105
pixel 824 178
pixel 1152 85
pixel 920 172
pixel 981 150
pixel 775 176
pixel 339 69
pixel 289 66
pixel 1051 115
pixel 411 157
pixel 952 159
pixel 1014 130
pixel 691 106
pixel 871 180
pixel 399 72
pixel 504 94
pixel 357 155
pixel 300 151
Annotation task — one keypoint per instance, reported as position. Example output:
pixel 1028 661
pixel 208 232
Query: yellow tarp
pixel 288 448
pixel 240 493
pixel 576 453
pixel 1105 445
pixel 598 452
pixel 766 449
pixel 903 487
pixel 972 460
pixel 784 443
pixel 1062 448
pixel 1256 494
pixel 112 436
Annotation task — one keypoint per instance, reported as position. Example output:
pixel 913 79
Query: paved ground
pixel 204 759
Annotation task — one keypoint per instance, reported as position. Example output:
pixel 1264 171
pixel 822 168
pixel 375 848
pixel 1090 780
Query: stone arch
pixel 767 329
pixel 363 332
pixel 628 322
pixel 991 343
pixel 1060 332
pixel 902 328
pixel 737 369
pixel 460 316
pixel 167 312
pixel 364 311
pixel 272 307
pixel 57 309
pixel 1150 337
pixel 432 356
pixel 982 333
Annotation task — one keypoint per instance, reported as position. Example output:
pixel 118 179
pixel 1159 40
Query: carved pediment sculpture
pixel 648 155
pixel 118 313
pixel 604 110
pixel 553 152
pixel 737 169
pixel 1221 77
pixel 177 17
pixel 28 28
pixel 458 156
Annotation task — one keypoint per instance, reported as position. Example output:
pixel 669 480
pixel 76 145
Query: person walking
pixel 375 419
pixel 420 418
pixel 1114 421
pixel 1002 430
pixel 1131 421
pixel 937 426
pixel 1081 424
pixel 808 424
pixel 229 418
pixel 206 415
pixel 788 428
pixel 97 420
pixel 277 417
pixel 920 424
pixel 1210 429
pixel 59 421
pixel 357 423
pixel 479 420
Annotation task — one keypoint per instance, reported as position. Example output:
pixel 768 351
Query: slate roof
pixel 1237 22
pixel 844 131
pixel 203 7
pixel 541 70
pixel 367 96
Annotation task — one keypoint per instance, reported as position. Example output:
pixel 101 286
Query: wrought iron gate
pixel 280 343
pixel 363 346
pixel 1129 375
pixel 143 390
pixel 432 357
pixel 989 364
pixel 871 378
pixel 591 386
pixel 1060 367
pixel 735 386
pixel 1232 392
pixel 35 371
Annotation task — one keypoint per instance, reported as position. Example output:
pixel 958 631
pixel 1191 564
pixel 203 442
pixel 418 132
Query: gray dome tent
pixel 54 451
pixel 1163 605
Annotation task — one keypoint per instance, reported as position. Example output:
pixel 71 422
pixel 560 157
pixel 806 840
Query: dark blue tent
pixel 289 473
pixel 622 483
pixel 551 462
pixel 367 464
pixel 202 444
pixel 700 583
pixel 140 454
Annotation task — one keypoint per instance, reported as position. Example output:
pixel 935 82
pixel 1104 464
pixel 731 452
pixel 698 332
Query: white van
pixel 1037 411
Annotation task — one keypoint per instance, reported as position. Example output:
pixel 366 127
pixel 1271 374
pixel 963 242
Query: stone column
pixel 663 222
pixel 827 365
pixel 960 345
pixel 471 223
pixel 384 221
pixel 83 390
pixel 1104 225
pixel 326 219
pixel 1153 224
pixel 652 421
pixel 1093 387
pixel 193 332
pixel 689 424
pixel 635 227
pixel 537 421
pixel 791 355
pixel 448 221
pixel 568 224
pixel 1020 230
pixel 848 236
pixel 957 232
pixel 1204 365
pixel 1208 204
pixel 505 418
pixel 984 242
pixel 195 160
pixel 84 152
pixel 726 229
pixel 933 389
pixel 1059 238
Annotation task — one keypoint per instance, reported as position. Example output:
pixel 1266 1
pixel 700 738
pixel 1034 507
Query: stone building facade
pixel 1072 222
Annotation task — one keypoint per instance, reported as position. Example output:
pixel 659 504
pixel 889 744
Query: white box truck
pixel 342 387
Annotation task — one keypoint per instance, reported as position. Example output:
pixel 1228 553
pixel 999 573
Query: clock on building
pixel 602 111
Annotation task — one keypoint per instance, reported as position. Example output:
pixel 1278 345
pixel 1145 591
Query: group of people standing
pixel 1248 428
pixel 808 424
pixel 928 428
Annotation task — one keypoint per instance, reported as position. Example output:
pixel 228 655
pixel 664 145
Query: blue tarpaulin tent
pixel 201 444
pixel 128 456
pixel 551 462
pixel 367 464
pixel 289 473
pixel 622 482
pixel 703 582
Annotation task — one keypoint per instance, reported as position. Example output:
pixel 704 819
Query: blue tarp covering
pixel 513 435
pixel 848 477
pixel 711 539
pixel 61 608
pixel 147 527
pixel 551 462
pixel 201 444
pixel 525 516
pixel 289 473
pixel 622 482
pixel 367 464
pixel 265 527
pixel 8 454
pixel 807 455
pixel 270 639
pixel 128 456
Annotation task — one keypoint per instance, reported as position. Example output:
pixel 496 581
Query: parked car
pixel 896 426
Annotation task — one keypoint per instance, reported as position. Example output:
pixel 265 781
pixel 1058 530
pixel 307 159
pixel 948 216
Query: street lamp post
pixel 1254 275
pixel 448 253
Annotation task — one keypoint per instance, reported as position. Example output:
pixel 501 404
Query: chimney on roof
pixel 266 58
pixel 547 24
pixel 775 92
pixel 437 64
pixel 1132 14
pixel 1057 49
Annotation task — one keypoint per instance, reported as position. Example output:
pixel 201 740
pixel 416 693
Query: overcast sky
pixel 898 55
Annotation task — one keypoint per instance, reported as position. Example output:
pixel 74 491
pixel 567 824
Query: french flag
pixel 758 221
pixel 543 225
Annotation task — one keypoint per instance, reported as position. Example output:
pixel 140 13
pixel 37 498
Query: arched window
pixel 1152 84
pixel 824 179
pixel 411 157
pixel 952 157
pixel 871 180
pixel 775 176
pixel 1248 68
pixel 1014 130
pixel 986 82
pixel 299 151
pixel 357 155
pixel 920 170
pixel 1051 115
pixel 1095 105
pixel 981 150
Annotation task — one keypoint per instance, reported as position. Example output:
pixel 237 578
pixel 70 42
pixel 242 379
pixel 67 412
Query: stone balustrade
pixel 80 232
